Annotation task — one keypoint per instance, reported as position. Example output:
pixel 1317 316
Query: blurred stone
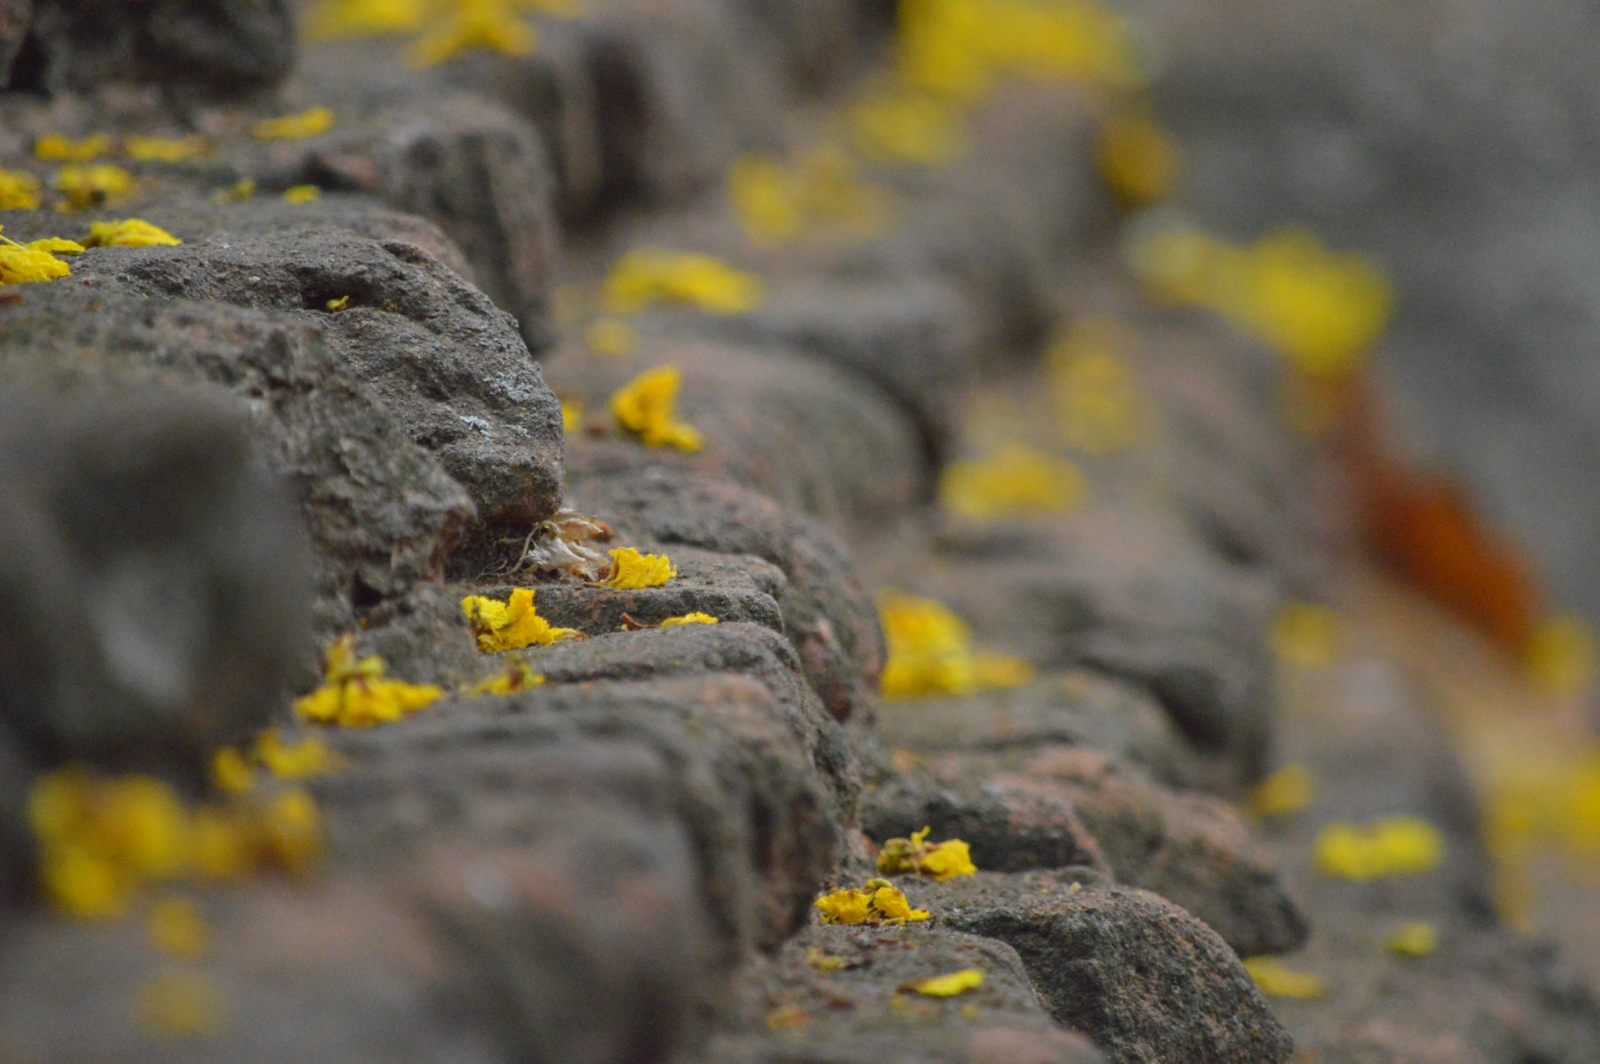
pixel 1144 979
pixel 220 47
pixel 854 1007
pixel 827 614
pixel 153 579
pixel 15 17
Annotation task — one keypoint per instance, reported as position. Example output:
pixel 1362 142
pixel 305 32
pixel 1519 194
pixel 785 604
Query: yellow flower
pixel 309 123
pixel 631 570
pixel 164 149
pixel 571 416
pixel 237 192
pixel 764 200
pixel 942 860
pixel 608 336
pixel 897 126
pixel 1014 481
pixel 301 194
pixel 1284 793
pixel 57 245
pixel 1138 158
pixel 944 986
pixel 56 148
pixel 19 191
pixel 336 19
pixel 688 618
pixel 878 902
pixel 646 276
pixel 1305 635
pixel 293 829
pixel 356 695
pixel 308 757
pixel 1276 980
pixel 181 1005
pixel 647 406
pixel 1561 657
pixel 931 653
pixel 1393 847
pixel 1101 407
pixel 176 927
pixel 91 186
pixel 511 625
pixel 223 845
pixel 230 771
pixel 30 264
pixel 491 25
pixel 1416 939
pixel 129 233
pixel 516 677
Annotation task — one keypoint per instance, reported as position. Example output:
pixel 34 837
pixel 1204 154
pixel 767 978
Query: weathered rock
pixel 448 365
pixel 16 845
pixel 826 612
pixel 380 510
pixel 822 42
pixel 860 1009
pixel 717 753
pixel 1134 972
pixel 816 440
pixel 1077 707
pixel 220 47
pixel 15 17
pixel 153 578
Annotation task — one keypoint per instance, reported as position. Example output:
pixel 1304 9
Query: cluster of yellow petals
pixel 610 336
pixel 301 194
pixel 512 624
pixel 647 406
pixel 1306 635
pixel 1100 405
pixel 55 147
pixel 1416 939
pixel 355 693
pixel 1395 846
pixel 34 261
pixel 1138 158
pixel 338 19
pixel 93 185
pixel 822 191
pixel 102 841
pixel 518 676
pixel 650 275
pixel 898 126
pixel 237 192
pixel 1278 980
pixel 129 233
pixel 689 618
pixel 946 986
pixel 1562 658
pixel 1324 310
pixel 941 860
pixel 1284 793
pixel 931 652
pixel 1015 481
pixel 631 570
pixel 1542 802
pixel 164 149
pixel 878 902
pixel 19 191
pixel 446 27
pixel 312 122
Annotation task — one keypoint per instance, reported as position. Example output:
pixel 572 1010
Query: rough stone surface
pixel 861 1010
pixel 153 604
pixel 379 508
pixel 221 47
pixel 1140 976
pixel 446 363
pixel 827 614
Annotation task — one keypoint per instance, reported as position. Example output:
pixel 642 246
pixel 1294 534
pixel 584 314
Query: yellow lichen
pixel 878 902
pixel 1306 635
pixel 930 652
pixel 181 1005
pixel 355 693
pixel 54 147
pixel 176 927
pixel 1415 939
pixel 1277 980
pixel 649 275
pixel 608 336
pixel 1138 158
pixel 301 194
pixel 1284 793
pixel 1100 405
pixel 945 986
pixel 689 618
pixel 164 149
pixel 1395 846
pixel 294 761
pixel 941 860
pixel 512 624
pixel 631 570
pixel 1014 481
pixel 83 187
pixel 647 406
pixel 312 122
pixel 128 233
pixel 19 191
pixel 518 676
